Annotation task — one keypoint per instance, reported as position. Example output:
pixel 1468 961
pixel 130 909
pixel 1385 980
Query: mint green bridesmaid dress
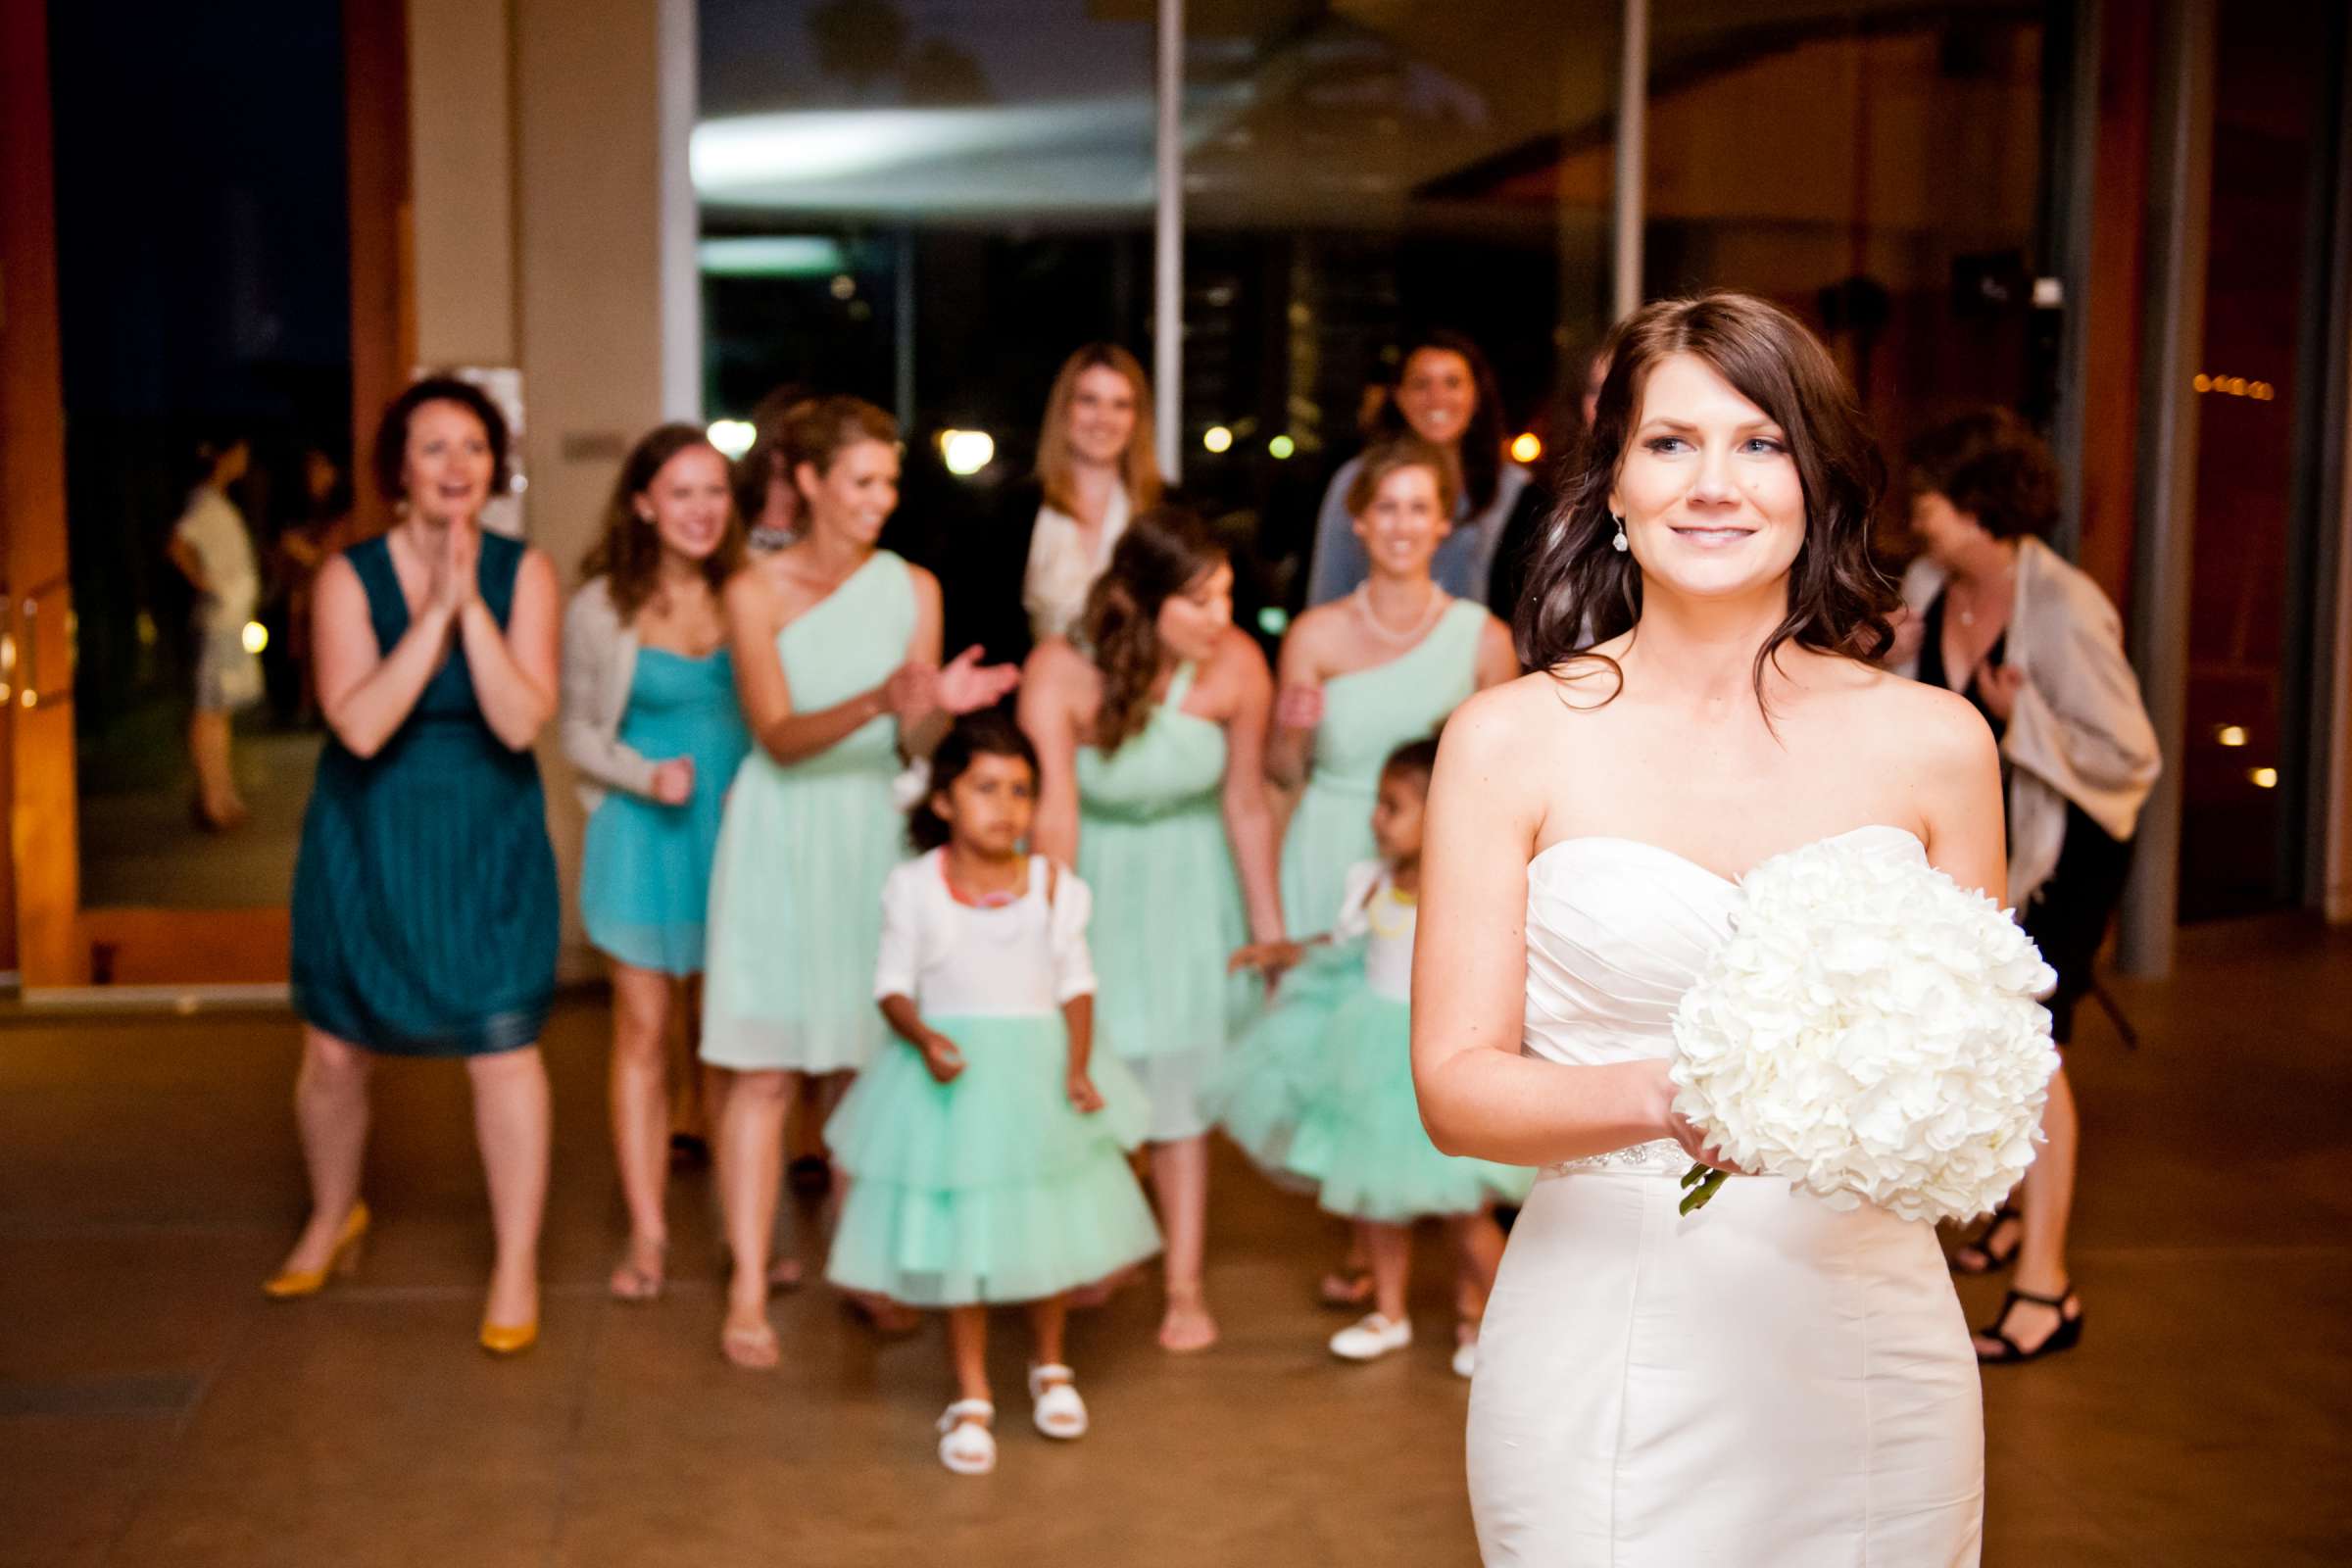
pixel 796 886
pixel 1367 713
pixel 1151 845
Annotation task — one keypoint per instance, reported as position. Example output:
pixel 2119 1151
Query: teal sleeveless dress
pixel 645 868
pixel 796 886
pixel 1169 911
pixel 1367 713
pixel 424 912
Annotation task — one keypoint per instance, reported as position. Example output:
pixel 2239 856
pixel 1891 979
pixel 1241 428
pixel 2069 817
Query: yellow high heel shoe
pixel 509 1339
pixel 296 1282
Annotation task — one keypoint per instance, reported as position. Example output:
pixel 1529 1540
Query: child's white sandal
pixel 1371 1338
pixel 1055 1404
pixel 967 1449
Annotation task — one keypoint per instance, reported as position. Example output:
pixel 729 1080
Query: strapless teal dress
pixel 645 868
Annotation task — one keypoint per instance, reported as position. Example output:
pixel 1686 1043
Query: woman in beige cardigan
pixel 1997 615
pixel 651 723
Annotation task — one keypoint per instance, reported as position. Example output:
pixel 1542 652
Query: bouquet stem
pixel 1698 1185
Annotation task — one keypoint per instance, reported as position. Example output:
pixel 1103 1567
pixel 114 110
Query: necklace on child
pixel 987 900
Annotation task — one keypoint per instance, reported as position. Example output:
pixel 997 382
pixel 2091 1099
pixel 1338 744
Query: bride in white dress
pixel 1769 1383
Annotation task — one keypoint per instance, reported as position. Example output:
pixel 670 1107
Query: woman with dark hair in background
pixel 1999 617
pixel 1782 1381
pixel 210 547
pixel 425 908
pixel 1026 578
pixel 765 497
pixel 1569 416
pixel 651 725
pixel 836 645
pixel 1444 393
pixel 1150 734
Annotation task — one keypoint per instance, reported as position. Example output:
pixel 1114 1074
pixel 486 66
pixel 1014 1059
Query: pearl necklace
pixel 1362 598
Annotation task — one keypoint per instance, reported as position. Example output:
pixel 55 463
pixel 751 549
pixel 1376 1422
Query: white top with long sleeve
pixel 1016 961
pixel 2079 731
pixel 600 663
pixel 1061 571
pixel 1373 909
pixel 223 550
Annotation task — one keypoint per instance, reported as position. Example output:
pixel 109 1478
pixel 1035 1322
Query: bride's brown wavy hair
pixel 1582 590
pixel 1162 553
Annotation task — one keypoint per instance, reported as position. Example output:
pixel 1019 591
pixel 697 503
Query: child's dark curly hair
pixel 986 733
pixel 1413 760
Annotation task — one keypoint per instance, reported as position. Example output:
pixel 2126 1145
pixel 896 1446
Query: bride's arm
pixel 1956 779
pixel 1479 1097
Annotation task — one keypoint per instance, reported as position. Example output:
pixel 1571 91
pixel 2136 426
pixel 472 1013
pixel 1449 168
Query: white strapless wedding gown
pixel 1768 1384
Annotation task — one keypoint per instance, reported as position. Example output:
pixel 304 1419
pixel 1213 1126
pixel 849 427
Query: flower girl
pixel 1323 1090
pixel 988 1158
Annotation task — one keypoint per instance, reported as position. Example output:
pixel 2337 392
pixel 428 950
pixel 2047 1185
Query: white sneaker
pixel 1053 1402
pixel 1465 1357
pixel 965 1448
pixel 1372 1338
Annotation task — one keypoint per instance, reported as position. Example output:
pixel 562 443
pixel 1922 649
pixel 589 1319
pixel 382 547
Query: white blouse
pixel 1016 961
pixel 1061 570
pixel 1373 909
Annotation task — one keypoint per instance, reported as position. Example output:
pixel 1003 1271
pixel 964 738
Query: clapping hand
pixel 673 781
pixel 910 693
pixel 967 685
pixel 452 582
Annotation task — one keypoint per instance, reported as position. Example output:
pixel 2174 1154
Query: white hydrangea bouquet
pixel 1870 1033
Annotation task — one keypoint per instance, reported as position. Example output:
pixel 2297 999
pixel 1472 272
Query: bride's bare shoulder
pixel 1922 725
pixel 1524 727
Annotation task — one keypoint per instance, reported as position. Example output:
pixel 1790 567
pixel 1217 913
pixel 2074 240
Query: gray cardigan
pixel 599 660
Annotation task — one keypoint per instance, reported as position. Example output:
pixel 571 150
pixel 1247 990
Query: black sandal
pixel 1979 1256
pixel 2064 1336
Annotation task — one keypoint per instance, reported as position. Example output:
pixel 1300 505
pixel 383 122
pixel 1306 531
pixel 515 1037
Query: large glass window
pixel 927 204
pixel 202 244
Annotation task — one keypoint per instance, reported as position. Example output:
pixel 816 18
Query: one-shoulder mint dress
pixel 425 912
pixel 645 867
pixel 1367 713
pixel 796 887
pixel 1168 913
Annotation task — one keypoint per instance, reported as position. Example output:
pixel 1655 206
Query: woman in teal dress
pixel 425 908
pixel 1359 677
pixel 651 726
pixel 1155 788
pixel 836 647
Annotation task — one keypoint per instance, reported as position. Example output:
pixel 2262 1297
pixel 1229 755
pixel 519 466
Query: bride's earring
pixel 1618 544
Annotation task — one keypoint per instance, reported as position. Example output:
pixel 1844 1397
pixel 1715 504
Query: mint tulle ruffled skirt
pixel 992 1187
pixel 1281 1067
pixel 1361 1140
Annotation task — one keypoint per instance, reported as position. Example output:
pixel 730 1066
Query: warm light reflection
pixel 2231 735
pixel 1282 446
pixel 733 437
pixel 1526 447
pixel 2264 778
pixel 1217 438
pixel 966 452
pixel 256 637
